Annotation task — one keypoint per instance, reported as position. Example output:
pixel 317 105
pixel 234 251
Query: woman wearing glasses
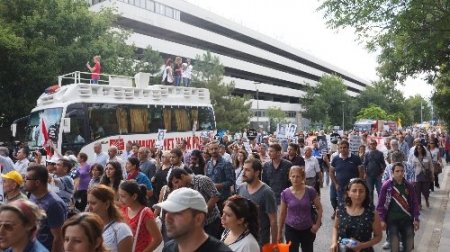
pixel 18 225
pixel 356 220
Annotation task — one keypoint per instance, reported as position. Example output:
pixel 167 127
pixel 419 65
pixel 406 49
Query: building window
pixel 150 6
pixel 169 12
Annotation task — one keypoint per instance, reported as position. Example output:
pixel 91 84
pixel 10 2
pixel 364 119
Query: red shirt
pixel 144 237
pixel 96 71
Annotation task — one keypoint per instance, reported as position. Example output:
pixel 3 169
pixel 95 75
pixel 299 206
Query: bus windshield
pixel 43 125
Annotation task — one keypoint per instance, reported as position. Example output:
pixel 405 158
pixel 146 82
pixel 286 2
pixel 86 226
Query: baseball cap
pixel 182 199
pixel 53 159
pixel 14 175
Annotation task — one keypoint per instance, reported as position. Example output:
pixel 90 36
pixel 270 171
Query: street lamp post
pixel 343 116
pixel 257 102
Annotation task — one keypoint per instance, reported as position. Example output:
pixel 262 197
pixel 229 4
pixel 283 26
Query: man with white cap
pixel 12 182
pixel 186 211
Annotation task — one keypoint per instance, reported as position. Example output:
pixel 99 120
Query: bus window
pixel 205 119
pixel 139 119
pixel 167 119
pixel 182 121
pixel 77 137
pixel 155 119
pixel 107 120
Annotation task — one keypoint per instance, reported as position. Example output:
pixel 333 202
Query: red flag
pixel 44 133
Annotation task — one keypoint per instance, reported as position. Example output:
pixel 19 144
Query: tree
pixel 150 62
pixel 441 98
pixel 413 104
pixel 232 112
pixel 276 115
pixel 412 36
pixel 372 112
pixel 41 39
pixel 325 102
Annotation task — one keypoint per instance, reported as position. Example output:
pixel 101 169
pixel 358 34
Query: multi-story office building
pixel 272 72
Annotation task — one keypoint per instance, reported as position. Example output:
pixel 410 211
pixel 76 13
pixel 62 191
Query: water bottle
pixel 348 242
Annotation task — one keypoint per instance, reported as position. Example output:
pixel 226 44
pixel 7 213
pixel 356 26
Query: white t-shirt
pixel 114 234
pixel 247 244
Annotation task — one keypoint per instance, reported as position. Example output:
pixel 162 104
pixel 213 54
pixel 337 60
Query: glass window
pixel 78 136
pixel 107 120
pixel 48 119
pixel 182 119
pixel 139 119
pixel 205 119
pixel 159 8
pixel 176 14
pixel 150 5
pixel 169 12
pixel 155 119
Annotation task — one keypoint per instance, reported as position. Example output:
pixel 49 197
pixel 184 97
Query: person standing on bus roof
pixel 95 76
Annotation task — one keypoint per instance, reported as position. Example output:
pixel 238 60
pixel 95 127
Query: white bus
pixel 75 114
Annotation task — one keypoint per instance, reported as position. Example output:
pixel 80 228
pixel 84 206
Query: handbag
pixel 314 214
pixel 426 172
pixel 437 166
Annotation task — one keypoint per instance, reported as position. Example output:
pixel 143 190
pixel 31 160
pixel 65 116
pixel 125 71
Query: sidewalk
pixel 444 233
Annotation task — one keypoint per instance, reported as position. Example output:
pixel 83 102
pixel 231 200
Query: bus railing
pixel 78 77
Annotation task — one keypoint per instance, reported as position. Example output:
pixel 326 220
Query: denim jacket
pixel 386 196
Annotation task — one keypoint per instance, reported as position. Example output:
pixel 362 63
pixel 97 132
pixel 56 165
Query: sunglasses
pixel 7 226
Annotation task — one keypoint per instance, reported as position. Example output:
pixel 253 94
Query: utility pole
pixel 257 102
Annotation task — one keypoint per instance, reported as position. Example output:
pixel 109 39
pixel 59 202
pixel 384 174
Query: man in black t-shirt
pixel 186 211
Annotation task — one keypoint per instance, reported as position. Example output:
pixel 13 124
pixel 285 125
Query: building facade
pixel 273 73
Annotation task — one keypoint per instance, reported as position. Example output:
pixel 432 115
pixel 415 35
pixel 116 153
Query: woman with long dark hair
pixel 140 218
pixel 240 220
pixel 423 167
pixel 238 164
pixel 113 175
pixel 356 220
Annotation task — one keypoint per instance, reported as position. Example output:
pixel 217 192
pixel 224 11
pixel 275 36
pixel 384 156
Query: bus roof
pixel 75 87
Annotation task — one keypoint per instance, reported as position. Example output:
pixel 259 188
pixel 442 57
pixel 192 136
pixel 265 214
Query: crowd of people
pixel 225 196
pixel 177 72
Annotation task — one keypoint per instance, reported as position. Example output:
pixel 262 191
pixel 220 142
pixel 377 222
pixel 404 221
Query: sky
pixel 297 23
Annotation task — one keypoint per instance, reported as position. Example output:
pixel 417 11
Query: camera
pixel 42 151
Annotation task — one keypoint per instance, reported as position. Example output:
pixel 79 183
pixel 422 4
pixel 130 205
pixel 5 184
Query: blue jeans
pixel 333 196
pixel 177 80
pixel 406 230
pixel 373 182
pixel 186 82
pixel 94 81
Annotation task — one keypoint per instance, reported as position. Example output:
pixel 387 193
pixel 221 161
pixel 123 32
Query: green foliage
pixel 372 112
pixel 441 97
pixel 413 105
pixel 413 38
pixel 325 102
pixel 275 115
pixel 232 112
pixel 41 39
pixel 150 62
